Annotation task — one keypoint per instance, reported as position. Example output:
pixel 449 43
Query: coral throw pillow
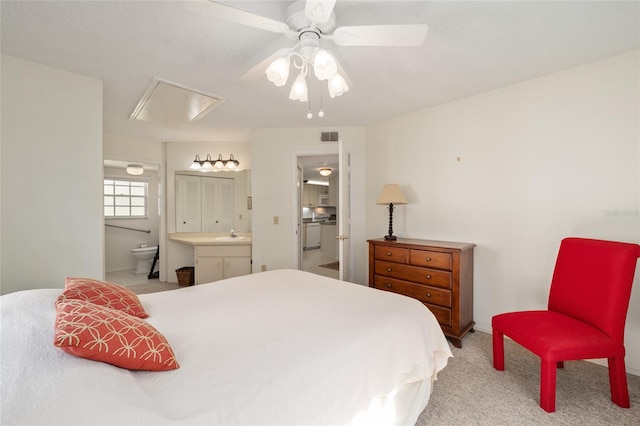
pixel 102 334
pixel 105 294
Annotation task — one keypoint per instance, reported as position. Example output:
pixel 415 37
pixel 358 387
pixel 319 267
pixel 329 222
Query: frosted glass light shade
pixel 324 66
pixel 299 89
pixel 135 169
pixel 278 71
pixel 337 85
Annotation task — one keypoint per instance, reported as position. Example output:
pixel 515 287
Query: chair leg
pixel 548 386
pixel 618 382
pixel 498 350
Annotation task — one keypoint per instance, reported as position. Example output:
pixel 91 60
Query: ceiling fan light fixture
pixel 299 89
pixel 324 65
pixel 278 71
pixel 337 85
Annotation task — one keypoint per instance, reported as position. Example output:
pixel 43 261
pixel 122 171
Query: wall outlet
pixel 240 216
pixel 263 268
pixel 276 220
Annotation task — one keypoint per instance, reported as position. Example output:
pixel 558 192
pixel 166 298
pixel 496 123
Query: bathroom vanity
pixel 217 255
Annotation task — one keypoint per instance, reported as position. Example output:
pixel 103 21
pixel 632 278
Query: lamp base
pixel 390 237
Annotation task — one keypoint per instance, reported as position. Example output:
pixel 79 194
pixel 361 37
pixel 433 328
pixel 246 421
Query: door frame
pixel 296 196
pixel 162 194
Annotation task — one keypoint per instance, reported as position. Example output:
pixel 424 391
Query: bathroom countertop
pixel 210 238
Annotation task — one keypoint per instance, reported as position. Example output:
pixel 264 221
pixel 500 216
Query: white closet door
pixel 188 202
pixel 210 201
pixel 217 204
pixel 226 204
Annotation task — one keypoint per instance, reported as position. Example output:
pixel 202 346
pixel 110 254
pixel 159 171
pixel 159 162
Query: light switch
pixel 276 220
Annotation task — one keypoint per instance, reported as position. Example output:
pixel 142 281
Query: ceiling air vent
pixel 329 137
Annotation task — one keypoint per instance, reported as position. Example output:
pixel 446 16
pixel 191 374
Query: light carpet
pixel 469 391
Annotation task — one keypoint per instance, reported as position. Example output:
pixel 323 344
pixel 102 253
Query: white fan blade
pixel 258 71
pixel 228 13
pixel 381 35
pixel 319 11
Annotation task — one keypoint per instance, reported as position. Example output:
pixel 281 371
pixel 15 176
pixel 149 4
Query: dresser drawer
pixel 392 254
pixel 430 259
pixel 430 277
pixel 443 315
pixel 421 292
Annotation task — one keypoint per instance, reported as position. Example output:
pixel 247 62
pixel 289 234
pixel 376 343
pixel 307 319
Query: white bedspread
pixel 282 348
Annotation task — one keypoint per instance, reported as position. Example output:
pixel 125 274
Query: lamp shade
pixel 391 194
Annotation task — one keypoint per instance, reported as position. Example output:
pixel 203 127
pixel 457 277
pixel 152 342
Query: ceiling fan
pixel 308 23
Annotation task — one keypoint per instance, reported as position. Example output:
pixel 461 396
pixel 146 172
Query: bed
pixel 282 347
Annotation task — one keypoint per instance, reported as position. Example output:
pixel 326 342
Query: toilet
pixel 144 256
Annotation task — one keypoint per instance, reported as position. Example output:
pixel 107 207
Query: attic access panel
pixel 169 104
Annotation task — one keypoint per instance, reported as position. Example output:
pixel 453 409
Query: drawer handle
pixel 388 253
pixel 428 259
pixel 388 285
pixel 428 277
pixel 389 269
pixel 428 294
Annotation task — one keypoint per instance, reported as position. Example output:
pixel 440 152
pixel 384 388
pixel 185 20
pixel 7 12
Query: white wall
pixel 273 179
pixel 552 157
pixel 51 176
pixel 180 156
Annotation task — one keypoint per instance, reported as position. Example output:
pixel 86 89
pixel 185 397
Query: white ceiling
pixel 471 47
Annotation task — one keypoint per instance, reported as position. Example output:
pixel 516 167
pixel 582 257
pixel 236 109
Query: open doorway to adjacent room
pixel 132 219
pixel 318 210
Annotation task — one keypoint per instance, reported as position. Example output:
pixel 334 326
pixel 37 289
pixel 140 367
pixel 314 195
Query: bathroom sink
pixel 229 238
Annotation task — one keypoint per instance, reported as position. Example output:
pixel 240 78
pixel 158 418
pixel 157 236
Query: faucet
pixel 233 234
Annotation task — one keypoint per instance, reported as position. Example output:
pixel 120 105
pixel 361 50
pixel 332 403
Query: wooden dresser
pixel 438 273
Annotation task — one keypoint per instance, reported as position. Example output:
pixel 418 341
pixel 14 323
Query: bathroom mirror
pixel 213 202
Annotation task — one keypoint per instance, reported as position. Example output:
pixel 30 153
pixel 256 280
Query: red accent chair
pixel 587 310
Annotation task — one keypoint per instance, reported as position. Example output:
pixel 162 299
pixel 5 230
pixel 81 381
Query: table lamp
pixel 391 194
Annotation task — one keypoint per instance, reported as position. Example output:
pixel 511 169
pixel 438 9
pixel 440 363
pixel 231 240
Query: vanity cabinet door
pixel 209 269
pixel 236 266
pixel 214 263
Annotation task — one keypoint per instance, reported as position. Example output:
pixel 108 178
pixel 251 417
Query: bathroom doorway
pixel 133 222
pixel 318 212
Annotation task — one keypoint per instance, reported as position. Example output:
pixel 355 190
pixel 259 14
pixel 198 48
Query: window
pixel 125 198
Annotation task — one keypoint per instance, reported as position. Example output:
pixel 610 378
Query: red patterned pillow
pixel 102 334
pixel 105 294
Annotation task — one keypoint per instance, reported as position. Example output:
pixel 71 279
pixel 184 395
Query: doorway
pixel 318 213
pixel 142 230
